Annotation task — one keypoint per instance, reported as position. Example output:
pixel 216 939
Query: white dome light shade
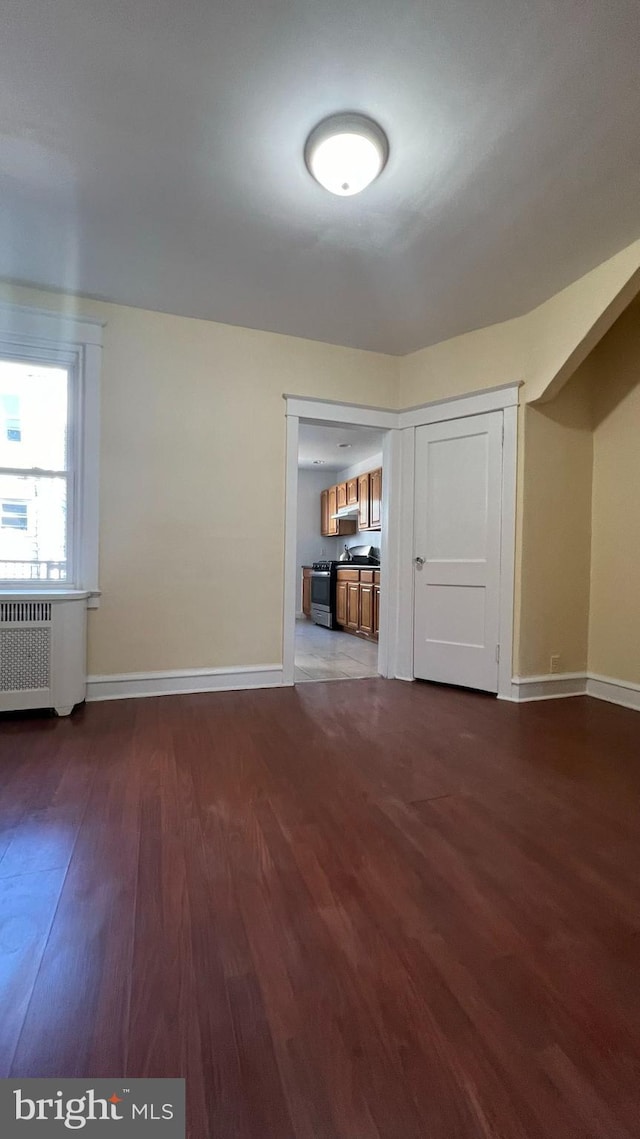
pixel 345 153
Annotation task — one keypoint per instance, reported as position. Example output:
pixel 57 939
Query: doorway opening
pixel 338 551
pixel 338 623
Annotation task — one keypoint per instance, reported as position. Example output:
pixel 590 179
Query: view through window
pixel 34 472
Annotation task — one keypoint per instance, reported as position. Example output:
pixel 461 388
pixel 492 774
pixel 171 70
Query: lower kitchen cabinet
pixel 306 590
pixel 353 605
pixel 376 608
pixel 341 602
pixel 366 609
pixel 357 593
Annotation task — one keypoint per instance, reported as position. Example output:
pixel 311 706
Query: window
pixel 36 484
pixel 13 516
pixel 10 405
pixel 49 443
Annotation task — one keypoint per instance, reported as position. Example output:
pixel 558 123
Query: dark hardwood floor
pixel 357 909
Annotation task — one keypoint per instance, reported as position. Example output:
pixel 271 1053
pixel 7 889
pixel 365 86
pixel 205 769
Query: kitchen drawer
pixel 348 575
pixel 376 577
pixel 366 576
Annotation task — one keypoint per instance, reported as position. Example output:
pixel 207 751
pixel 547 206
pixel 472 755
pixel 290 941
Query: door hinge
pixel 498 654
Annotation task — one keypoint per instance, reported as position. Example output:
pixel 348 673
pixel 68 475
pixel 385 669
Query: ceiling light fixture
pixel 345 153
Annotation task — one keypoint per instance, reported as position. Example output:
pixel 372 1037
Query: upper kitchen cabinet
pixel 329 504
pixel 375 499
pixel 363 491
pixel 370 500
pixel 333 506
pixel 324 513
pixel 363 502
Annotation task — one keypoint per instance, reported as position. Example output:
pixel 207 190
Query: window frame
pixel 43 336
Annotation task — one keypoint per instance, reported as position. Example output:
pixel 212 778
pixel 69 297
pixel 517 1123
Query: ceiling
pixel 320 442
pixel 151 154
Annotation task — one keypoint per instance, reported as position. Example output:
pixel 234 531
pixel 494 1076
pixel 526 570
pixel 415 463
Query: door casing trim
pixel 395 648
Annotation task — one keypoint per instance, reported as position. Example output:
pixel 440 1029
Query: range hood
pixel 347 512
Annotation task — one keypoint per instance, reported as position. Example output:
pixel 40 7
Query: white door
pixel 458 481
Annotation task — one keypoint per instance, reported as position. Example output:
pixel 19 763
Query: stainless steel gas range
pixel 323 593
pixel 323 583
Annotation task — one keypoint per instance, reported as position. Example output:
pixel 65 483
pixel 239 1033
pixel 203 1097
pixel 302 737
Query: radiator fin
pixel 24 658
pixel 25 612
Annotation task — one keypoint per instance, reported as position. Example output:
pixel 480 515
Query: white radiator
pixel 42 652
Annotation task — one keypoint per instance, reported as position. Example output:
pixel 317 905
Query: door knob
pixel 419 561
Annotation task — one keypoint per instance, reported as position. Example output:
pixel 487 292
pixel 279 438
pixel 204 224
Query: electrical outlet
pixel 554 662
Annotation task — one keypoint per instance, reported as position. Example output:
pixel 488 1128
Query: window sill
pixel 7 593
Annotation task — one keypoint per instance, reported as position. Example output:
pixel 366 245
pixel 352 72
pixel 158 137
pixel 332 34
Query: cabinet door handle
pixel 419 561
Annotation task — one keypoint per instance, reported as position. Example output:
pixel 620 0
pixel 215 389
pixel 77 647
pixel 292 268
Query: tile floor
pixel 327 654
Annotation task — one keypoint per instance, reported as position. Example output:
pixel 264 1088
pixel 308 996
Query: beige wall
pixel 192 482
pixel 552 605
pixel 578 593
pixel 540 349
pixel 562 332
pixel 482 359
pixel 192 492
pixel 614 627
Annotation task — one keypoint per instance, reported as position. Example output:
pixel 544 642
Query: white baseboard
pixel 555 686
pixel 134 685
pixel 614 691
pixel 178 681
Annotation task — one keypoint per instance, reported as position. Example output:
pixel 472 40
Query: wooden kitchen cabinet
pixel 348 598
pixel 341 602
pixel 370 500
pixel 348 574
pixel 324 513
pixel 365 492
pixel 306 590
pixel 375 499
pixel 366 608
pixel 363 502
pixel 347 608
pixel 357 594
pixel 332 526
pixel 376 603
pixel 329 526
pixel 353 605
